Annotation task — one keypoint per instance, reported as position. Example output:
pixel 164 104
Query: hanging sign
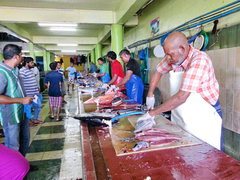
pixel 154 26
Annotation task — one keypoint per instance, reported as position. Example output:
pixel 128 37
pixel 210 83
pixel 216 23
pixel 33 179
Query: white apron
pixel 196 115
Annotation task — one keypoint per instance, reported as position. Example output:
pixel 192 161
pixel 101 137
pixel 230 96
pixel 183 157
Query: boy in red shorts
pixel 53 81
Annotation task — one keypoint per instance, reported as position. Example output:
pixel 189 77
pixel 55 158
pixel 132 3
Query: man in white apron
pixel 195 91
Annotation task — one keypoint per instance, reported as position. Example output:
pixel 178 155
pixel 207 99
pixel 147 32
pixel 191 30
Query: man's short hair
pixel 112 55
pixel 125 51
pixel 53 65
pixel 101 59
pixel 27 60
pixel 11 50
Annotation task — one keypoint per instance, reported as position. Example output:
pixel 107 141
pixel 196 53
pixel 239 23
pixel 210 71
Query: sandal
pixel 59 119
pixel 51 117
pixel 32 124
pixel 38 121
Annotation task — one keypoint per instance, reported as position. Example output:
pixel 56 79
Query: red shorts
pixel 55 101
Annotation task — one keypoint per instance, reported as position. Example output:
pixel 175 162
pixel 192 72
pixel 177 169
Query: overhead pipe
pixel 203 20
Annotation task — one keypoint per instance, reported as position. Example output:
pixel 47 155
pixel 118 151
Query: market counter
pixel 195 161
pixel 198 161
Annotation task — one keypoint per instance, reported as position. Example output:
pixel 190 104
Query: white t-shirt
pixel 37 75
pixel 71 71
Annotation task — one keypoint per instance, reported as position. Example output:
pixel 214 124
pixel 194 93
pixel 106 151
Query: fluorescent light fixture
pixel 62 29
pixel 24 39
pixel 57 24
pixel 68 51
pixel 25 51
pixel 73 45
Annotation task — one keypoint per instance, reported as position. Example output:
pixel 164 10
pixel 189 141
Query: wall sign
pixel 154 26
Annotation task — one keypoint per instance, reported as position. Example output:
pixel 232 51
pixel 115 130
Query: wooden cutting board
pixel 125 128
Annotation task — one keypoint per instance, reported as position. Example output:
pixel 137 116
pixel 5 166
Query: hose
pixel 114 120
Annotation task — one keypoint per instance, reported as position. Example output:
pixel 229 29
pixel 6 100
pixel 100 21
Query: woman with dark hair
pixel 104 73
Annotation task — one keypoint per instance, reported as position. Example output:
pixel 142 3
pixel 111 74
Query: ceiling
pixel 93 18
pixel 88 30
pixel 64 4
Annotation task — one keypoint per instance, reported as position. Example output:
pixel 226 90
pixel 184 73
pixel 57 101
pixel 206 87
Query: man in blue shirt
pixel 53 81
pixel 71 75
pixel 93 68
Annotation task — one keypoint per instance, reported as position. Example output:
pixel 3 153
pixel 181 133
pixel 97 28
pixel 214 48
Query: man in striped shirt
pixel 30 86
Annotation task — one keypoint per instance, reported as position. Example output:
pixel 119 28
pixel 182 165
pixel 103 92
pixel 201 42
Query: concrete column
pixel 117 39
pixel 98 53
pixel 31 51
pixel 52 57
pixel 88 60
pixel 93 56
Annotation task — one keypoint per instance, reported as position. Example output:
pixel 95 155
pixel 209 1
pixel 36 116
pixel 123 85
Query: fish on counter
pixel 94 119
pixel 106 99
pixel 144 124
pixel 117 101
pixel 157 137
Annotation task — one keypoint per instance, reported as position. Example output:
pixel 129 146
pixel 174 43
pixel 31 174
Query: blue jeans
pixel 24 137
pixel 37 110
pixel 17 136
pixel 11 132
pixel 37 107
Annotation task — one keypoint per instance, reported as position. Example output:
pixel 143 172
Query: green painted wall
pixel 1 56
pixel 106 49
pixel 171 13
pixel 31 51
pixel 93 56
pixel 52 57
pixel 39 53
pixel 98 53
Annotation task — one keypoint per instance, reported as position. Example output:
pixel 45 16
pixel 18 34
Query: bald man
pixel 195 91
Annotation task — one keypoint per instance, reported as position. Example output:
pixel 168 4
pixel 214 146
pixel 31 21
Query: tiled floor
pixel 55 146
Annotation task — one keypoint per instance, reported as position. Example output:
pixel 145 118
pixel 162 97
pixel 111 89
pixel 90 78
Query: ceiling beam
pixel 104 34
pixel 132 22
pixel 16 31
pixel 21 14
pixel 78 48
pixel 127 9
pixel 64 39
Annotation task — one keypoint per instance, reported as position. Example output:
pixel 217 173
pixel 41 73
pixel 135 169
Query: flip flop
pixel 51 117
pixel 32 124
pixel 38 121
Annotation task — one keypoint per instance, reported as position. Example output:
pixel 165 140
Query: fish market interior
pixel 119 89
